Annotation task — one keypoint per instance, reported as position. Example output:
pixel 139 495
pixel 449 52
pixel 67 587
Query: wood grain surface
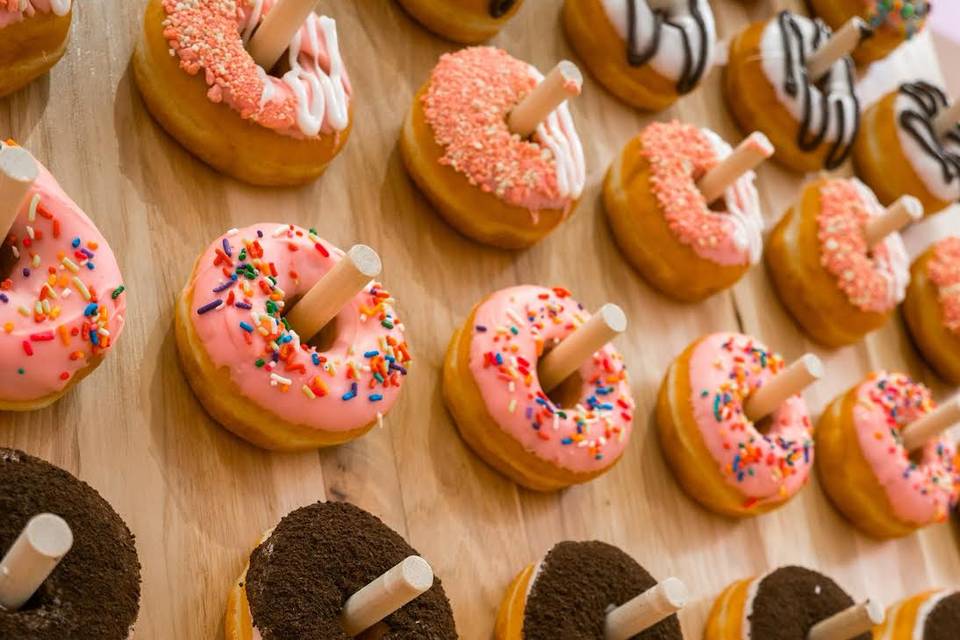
pixel 198 498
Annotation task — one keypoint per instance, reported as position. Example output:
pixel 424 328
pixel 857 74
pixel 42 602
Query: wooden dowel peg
pixel 920 431
pixel 564 81
pixel 754 149
pixel 947 119
pixel 904 211
pixel 334 290
pixel 645 610
pixel 840 44
pixel 849 623
pixel 579 346
pixel 387 594
pixel 275 33
pixel 18 172
pixel 34 555
pixel 790 381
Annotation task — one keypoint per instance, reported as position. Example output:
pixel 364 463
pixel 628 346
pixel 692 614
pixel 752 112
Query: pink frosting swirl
pixel 918 493
pixel 764 466
pixel 511 329
pixel 63 303
pixel 240 286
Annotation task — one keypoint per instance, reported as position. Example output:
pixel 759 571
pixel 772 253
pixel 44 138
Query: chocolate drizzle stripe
pixel 917 122
pixel 809 139
pixel 694 61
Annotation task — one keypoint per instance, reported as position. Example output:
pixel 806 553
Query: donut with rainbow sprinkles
pixel 263 368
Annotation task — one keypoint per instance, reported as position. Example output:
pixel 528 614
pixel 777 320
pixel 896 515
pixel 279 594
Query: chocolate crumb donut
pixel 784 604
pixel 567 596
pixel 94 593
pixel 318 556
pixel 930 615
pixel 943 621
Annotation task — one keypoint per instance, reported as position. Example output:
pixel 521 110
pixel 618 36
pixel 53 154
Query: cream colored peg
pixel 754 149
pixel 564 81
pixel 387 594
pixel 579 346
pixel 333 291
pixel 34 555
pixel 840 44
pixel 277 30
pixel 849 623
pixel 906 210
pixel 645 610
pixel 920 431
pixel 790 381
pixel 18 172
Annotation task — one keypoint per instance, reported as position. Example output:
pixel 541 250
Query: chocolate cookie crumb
pixel 320 555
pixel 577 583
pixel 791 600
pixel 95 591
pixel 943 623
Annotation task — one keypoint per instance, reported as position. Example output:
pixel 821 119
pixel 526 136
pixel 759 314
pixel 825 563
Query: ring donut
pixel 574 585
pixel 720 458
pixel 62 300
pixel 487 182
pixel 646 56
pixel 491 386
pixel 868 473
pixel 898 152
pixel 322 554
pixel 466 21
pixel 662 223
pixel 836 287
pixel 95 590
pixel 931 615
pixel 33 38
pixel 932 307
pixel 231 113
pixel 784 604
pixel 256 376
pixel 892 22
pixel 767 89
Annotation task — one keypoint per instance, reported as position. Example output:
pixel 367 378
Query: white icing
pixel 321 96
pixel 670 56
pixel 748 606
pixel 558 134
pixel 895 268
pixel 743 204
pixel 929 170
pixel 772 61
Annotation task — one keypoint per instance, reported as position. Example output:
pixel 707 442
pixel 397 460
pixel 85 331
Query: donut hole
pixel 568 393
pixel 8 260
pixel 43 597
pixel 326 338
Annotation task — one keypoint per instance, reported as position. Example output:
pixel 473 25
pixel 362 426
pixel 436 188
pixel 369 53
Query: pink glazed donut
pixel 865 468
pixel 491 387
pixel 62 300
pixel 254 374
pixel 721 458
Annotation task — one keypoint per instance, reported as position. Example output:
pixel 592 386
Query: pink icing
pixel 12 11
pixel 679 155
pixel 209 36
pixel 764 466
pixel 239 288
pixel 511 329
pixel 466 104
pixel 944 272
pixel 873 280
pixel 919 494
pixel 63 301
